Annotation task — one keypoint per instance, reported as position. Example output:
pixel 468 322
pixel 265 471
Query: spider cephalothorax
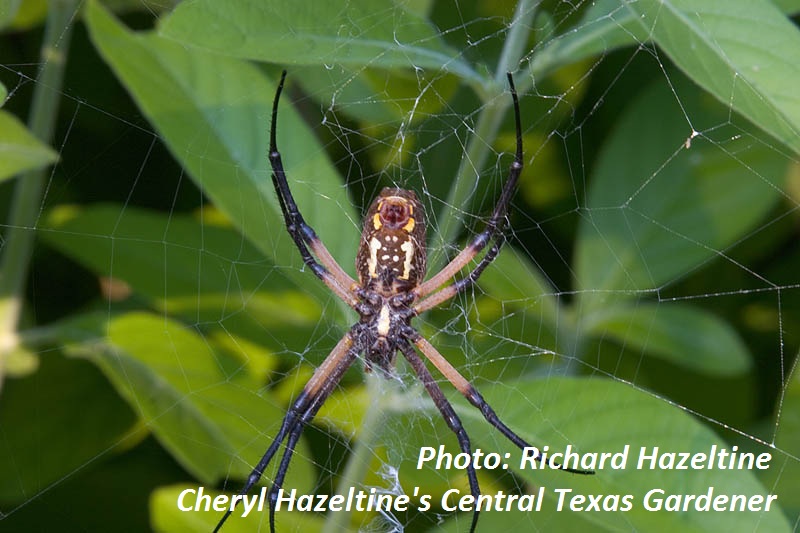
pixel 390 291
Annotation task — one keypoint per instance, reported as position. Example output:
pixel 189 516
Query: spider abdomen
pixel 392 257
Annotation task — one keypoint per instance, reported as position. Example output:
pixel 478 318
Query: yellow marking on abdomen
pixel 408 248
pixel 372 262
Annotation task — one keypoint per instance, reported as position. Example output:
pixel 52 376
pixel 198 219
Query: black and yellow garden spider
pixel 390 291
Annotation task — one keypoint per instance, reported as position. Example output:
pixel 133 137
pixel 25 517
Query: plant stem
pixel 517 39
pixel 487 126
pixel 28 191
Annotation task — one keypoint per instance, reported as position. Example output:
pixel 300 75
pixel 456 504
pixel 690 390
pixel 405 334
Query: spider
pixel 390 291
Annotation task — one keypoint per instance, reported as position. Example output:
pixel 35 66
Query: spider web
pixel 646 296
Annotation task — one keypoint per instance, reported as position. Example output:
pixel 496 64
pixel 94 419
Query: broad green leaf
pixel 661 203
pixel 684 335
pixel 182 264
pixel 518 284
pixel 54 422
pixel 605 26
pixel 744 52
pixel 355 33
pixel 595 415
pixel 214 425
pixel 519 309
pixel 213 114
pixel 167 517
pixel 344 410
pixel 380 98
pixel 19 150
pixel 260 361
pixel 3 94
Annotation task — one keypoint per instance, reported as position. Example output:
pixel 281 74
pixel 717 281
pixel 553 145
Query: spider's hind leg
pixel 474 397
pixel 326 377
pixel 294 435
pixel 324 266
pixel 449 415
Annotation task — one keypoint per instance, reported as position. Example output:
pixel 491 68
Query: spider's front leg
pixel 304 236
pixel 492 232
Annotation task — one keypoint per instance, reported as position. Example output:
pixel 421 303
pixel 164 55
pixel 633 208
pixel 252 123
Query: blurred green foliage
pixel 651 273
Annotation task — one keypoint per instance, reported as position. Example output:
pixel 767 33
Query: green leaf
pixel 184 265
pixel 744 52
pixel 213 113
pixel 660 201
pixel 605 26
pixel 594 416
pixel 19 150
pixel 790 7
pixel 8 10
pixel 519 309
pixel 54 422
pixel 214 425
pixel 381 98
pixel 354 33
pixel 515 282
pixel 27 14
pixel 682 334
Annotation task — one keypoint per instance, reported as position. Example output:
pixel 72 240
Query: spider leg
pixel 277 484
pixel 305 406
pixel 449 415
pixel 474 397
pixel 332 379
pixel 462 284
pixel 491 232
pixel 304 236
